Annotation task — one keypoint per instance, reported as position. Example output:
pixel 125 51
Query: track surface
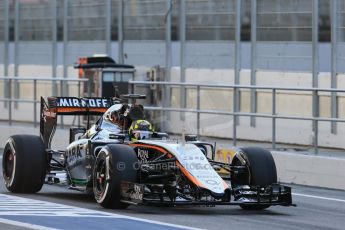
pixel 317 209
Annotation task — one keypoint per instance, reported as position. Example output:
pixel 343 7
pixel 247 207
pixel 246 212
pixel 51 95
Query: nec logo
pixel 82 103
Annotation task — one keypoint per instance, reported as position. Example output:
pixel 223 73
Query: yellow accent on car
pixel 225 156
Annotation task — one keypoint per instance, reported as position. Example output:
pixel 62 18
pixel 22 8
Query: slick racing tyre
pixel 24 164
pixel 114 163
pixel 261 171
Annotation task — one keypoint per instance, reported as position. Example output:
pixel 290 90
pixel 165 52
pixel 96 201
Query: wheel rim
pixel 8 165
pixel 100 181
pixel 100 176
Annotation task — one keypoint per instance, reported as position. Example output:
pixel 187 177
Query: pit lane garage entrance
pixel 106 78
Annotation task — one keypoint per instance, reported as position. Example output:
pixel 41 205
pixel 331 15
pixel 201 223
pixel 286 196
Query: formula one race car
pixel 122 161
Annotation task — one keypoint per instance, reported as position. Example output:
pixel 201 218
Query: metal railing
pixel 168 86
pixel 113 17
pixel 315 118
pixel 9 98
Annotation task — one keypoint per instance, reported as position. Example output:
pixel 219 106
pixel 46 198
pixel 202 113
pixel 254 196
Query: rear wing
pixel 67 106
pixel 79 106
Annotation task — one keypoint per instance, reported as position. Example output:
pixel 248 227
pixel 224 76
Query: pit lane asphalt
pixel 317 208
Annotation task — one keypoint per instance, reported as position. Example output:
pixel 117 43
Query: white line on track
pixel 318 197
pixel 25 225
pixel 47 209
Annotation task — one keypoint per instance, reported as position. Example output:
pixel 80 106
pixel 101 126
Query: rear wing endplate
pixel 67 106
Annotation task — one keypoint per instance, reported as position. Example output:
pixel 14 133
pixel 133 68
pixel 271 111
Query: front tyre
pixel 261 171
pixel 24 164
pixel 114 163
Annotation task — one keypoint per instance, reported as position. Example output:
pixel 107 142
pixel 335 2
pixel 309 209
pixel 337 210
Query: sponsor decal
pixel 49 114
pixel 143 155
pixel 138 193
pixel 74 156
pixel 212 182
pixel 194 161
pixel 132 191
pixel 82 102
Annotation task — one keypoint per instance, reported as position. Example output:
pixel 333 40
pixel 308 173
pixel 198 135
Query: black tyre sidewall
pixel 261 165
pixel 31 163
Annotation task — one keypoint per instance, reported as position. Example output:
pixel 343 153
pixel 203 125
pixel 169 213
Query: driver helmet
pixel 112 115
pixel 140 129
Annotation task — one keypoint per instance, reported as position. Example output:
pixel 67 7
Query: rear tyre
pixel 261 171
pixel 24 164
pixel 114 163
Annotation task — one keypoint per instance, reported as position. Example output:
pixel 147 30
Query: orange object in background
pixel 81 61
pixel 225 155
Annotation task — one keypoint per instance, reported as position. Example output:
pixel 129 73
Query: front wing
pixel 272 195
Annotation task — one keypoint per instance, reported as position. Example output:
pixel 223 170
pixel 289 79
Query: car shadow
pixel 202 210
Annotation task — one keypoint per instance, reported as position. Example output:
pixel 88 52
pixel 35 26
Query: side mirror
pixel 160 135
pixel 117 136
pixel 191 137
